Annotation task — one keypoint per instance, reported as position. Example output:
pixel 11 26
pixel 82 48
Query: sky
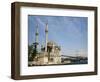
pixel 71 33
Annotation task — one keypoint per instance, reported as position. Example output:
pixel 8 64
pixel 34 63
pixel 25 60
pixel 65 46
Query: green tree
pixel 32 51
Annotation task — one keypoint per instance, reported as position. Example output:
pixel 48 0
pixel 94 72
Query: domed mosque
pixel 50 52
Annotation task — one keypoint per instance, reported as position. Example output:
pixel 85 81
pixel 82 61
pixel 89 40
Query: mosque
pixel 50 51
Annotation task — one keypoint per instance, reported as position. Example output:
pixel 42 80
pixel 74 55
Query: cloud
pixel 39 21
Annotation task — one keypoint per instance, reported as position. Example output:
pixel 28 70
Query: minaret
pixel 46 37
pixel 36 34
pixel 36 38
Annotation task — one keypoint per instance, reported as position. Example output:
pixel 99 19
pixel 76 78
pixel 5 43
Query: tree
pixel 32 51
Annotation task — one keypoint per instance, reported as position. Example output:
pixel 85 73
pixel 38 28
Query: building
pixel 50 52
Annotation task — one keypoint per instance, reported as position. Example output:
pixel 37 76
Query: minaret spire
pixel 46 36
pixel 36 34
pixel 36 39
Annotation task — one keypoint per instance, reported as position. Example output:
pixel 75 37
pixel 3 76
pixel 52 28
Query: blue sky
pixel 68 32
